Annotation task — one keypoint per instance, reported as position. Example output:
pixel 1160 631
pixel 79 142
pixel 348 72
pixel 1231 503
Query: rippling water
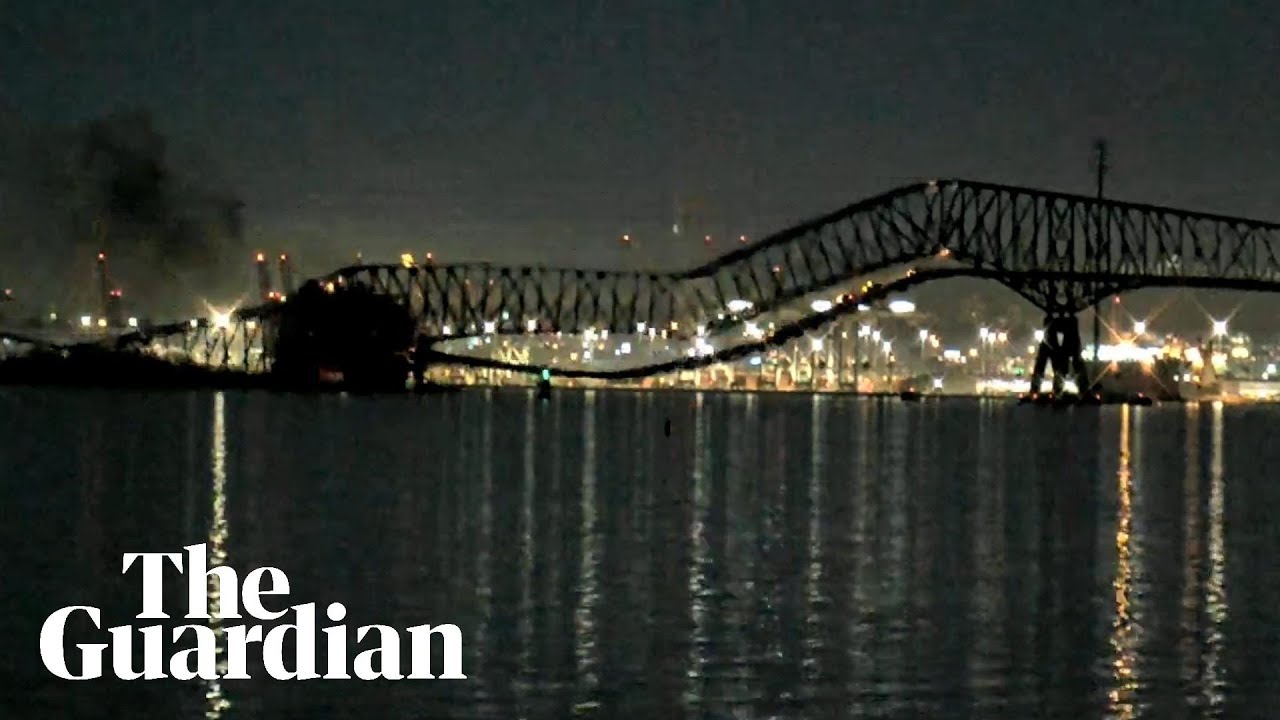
pixel 774 556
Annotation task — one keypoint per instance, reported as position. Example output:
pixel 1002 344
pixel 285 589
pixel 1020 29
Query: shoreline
pixel 225 380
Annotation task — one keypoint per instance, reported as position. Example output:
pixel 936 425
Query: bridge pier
pixel 1061 349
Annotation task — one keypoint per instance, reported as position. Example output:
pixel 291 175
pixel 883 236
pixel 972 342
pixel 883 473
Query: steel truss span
pixel 1061 252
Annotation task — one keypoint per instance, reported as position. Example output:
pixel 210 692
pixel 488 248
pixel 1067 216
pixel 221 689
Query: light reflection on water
pixel 1125 628
pixel 215 695
pixel 1216 591
pixel 802 557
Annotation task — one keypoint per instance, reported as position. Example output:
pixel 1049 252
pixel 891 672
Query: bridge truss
pixel 1061 252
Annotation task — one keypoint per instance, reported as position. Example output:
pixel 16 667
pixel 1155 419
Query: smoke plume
pixel 172 237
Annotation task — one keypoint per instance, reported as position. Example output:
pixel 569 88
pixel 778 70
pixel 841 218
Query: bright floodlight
pixel 220 319
pixel 85 321
pixel 924 334
pixel 133 322
pixel 1219 327
pixel 1140 327
pixel 532 325
pixel 900 307
pixel 820 306
pixel 817 344
pixel 490 326
pixel 738 305
pixel 1039 336
pixel 983 333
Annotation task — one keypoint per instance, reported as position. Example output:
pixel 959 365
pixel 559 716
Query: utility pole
pixel 1101 246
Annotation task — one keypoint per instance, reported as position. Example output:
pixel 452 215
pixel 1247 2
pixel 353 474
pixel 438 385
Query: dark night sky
pixel 538 132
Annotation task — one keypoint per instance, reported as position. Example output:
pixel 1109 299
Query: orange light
pixel 102 257
pixel 742 239
pixel 284 258
pixel 626 238
pixel 262 257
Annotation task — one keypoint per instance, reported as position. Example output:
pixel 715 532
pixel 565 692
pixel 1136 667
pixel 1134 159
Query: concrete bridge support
pixel 1061 350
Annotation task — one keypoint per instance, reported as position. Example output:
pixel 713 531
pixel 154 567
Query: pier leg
pixel 1060 350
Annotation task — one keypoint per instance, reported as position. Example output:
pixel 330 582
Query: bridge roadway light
pixel 820 306
pixel 738 306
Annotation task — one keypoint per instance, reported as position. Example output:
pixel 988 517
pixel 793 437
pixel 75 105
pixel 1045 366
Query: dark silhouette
pixel 347 335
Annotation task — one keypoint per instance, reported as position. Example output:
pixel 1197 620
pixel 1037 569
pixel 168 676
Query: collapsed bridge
pixel 1061 252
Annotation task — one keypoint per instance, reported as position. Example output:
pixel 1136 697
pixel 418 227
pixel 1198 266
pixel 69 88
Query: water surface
pixel 775 556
